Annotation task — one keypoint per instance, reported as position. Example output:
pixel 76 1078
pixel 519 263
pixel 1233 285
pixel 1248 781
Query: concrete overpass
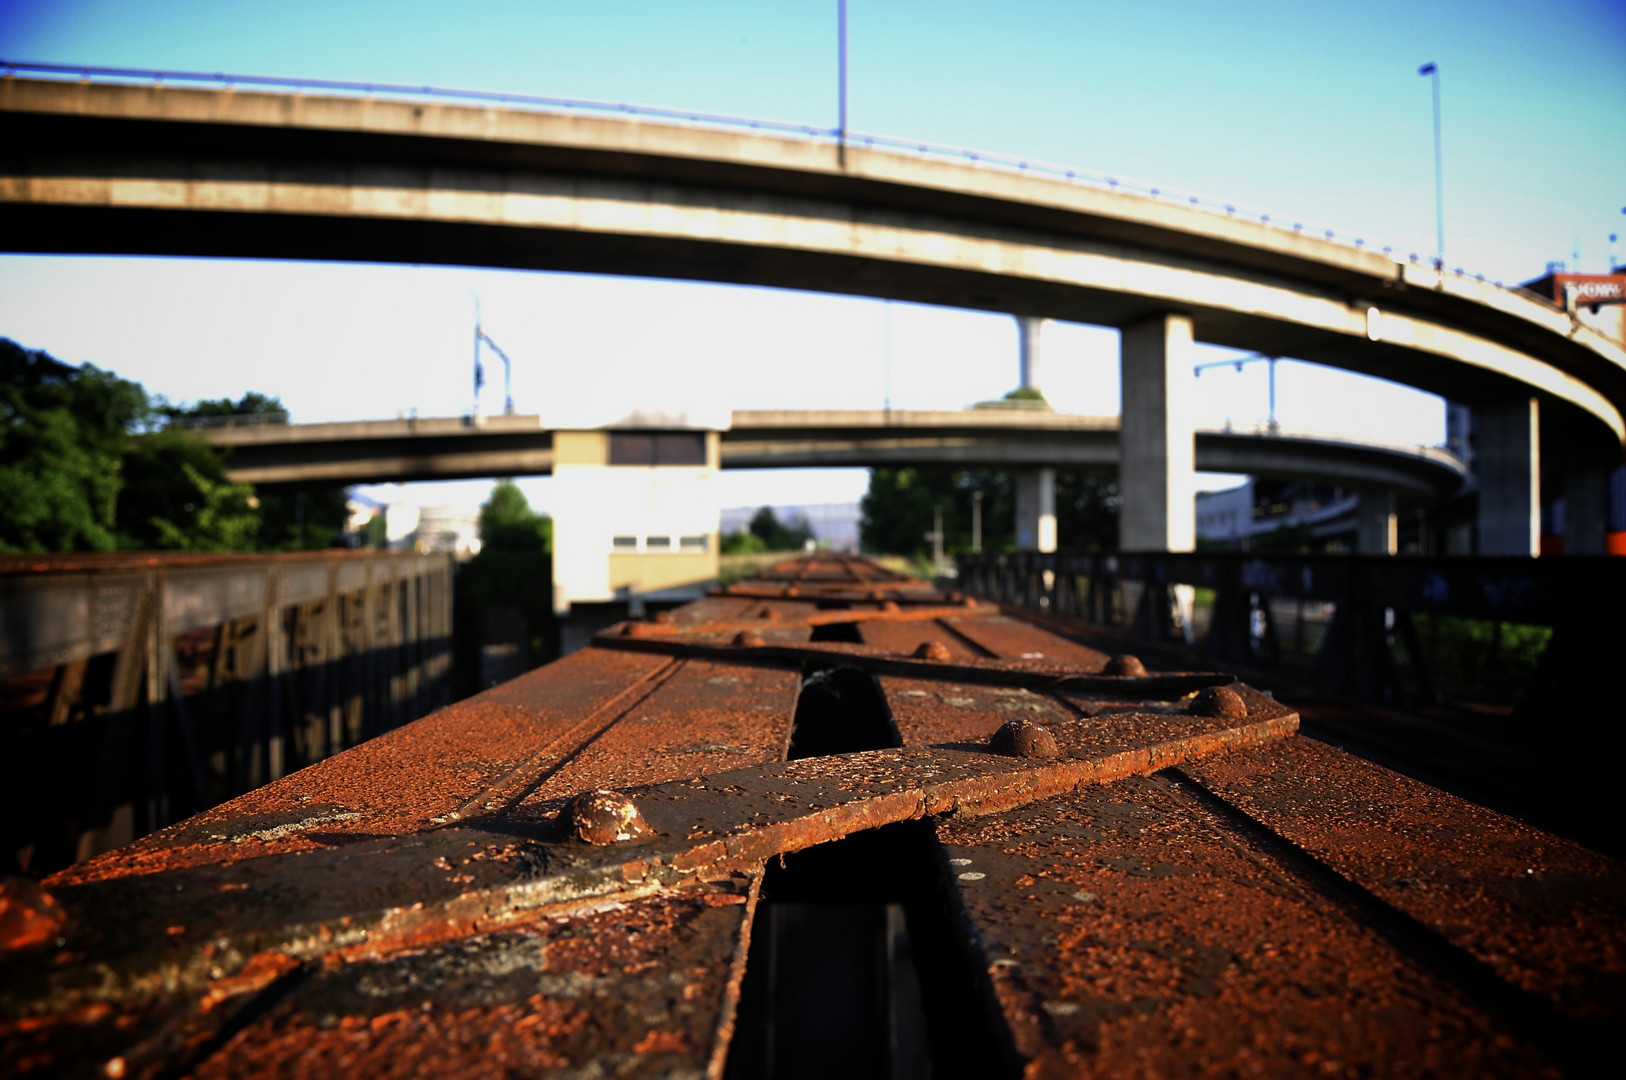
pixel 120 168
pixel 443 448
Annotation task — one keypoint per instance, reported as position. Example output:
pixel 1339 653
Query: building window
pixel 657 448
pixel 693 543
pixel 658 543
pixel 625 543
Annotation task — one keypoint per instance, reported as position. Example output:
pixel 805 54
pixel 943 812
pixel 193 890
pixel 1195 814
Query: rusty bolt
pixel 793 592
pixel 605 817
pixel 970 601
pixel 1025 739
pixel 662 617
pixel 1219 701
pixel 1124 664
pixel 877 594
pixel 638 629
pixel 769 614
pixel 890 605
pixel 750 639
pixel 28 914
pixel 933 650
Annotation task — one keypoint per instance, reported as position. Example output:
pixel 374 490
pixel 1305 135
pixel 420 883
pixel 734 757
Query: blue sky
pixel 1308 110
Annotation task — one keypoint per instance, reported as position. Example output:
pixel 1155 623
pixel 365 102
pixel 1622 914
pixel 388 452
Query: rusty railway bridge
pixel 829 821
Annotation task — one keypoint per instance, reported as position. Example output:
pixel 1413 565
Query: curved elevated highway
pixel 120 168
pixel 376 451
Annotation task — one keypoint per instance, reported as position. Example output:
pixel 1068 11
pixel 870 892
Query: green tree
pixel 62 436
pixel 777 535
pixel 176 497
pixel 507 523
pixel 897 511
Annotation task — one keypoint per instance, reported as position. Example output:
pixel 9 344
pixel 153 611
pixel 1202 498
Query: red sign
pixel 1582 290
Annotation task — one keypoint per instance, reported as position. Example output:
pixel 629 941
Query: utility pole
pixel 936 537
pixel 841 83
pixel 1433 70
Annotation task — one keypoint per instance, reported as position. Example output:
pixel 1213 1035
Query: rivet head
pixel 662 617
pixel 793 592
pixel 1124 664
pixel 607 817
pixel 890 605
pixel 1219 701
pixel 639 629
pixel 750 639
pixel 933 650
pixel 28 914
pixel 1024 739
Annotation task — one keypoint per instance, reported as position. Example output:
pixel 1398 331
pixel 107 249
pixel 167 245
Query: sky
pixel 1308 110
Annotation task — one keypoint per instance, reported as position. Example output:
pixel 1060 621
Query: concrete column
pixel 1156 438
pixel 1036 510
pixel 1508 465
pixel 1377 525
pixel 1028 330
pixel 1586 512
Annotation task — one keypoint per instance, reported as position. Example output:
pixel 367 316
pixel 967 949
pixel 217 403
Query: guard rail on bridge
pixel 1383 628
pixel 137 689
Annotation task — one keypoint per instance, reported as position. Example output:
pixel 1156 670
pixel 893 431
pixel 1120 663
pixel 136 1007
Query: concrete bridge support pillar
pixel 1035 488
pixel 1509 469
pixel 1036 510
pixel 1157 473
pixel 1586 512
pixel 1377 524
pixel 1028 331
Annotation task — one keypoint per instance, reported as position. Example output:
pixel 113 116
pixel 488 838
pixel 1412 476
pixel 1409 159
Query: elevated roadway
pixel 120 168
pixel 443 448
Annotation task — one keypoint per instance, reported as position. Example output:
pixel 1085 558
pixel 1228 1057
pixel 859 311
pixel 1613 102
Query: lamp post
pixel 841 82
pixel 1433 71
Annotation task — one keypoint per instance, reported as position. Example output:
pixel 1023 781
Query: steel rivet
pixel 1024 739
pixel 890 605
pixel 933 650
pixel 606 817
pixel 1124 664
pixel 1219 701
pixel 750 639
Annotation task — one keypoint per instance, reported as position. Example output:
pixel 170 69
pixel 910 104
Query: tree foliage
pixel 507 523
pixel 62 435
pixel 86 466
pixel 897 511
pixel 777 535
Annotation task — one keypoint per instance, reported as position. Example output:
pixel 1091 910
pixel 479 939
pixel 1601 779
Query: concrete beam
pixel 1509 471
pixel 1157 439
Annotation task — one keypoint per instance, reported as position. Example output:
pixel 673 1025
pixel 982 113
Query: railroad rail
pixel 828 821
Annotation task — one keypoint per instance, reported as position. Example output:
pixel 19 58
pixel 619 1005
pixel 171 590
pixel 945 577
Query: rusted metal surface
pixel 1133 931
pixel 561 876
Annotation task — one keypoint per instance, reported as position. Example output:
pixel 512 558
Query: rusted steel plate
pixel 1544 914
pixel 409 779
pixel 1002 636
pixel 648 984
pixel 705 718
pixel 178 931
pixel 646 988
pixel 1033 673
pixel 907 638
pixel 1131 931
pixel 932 712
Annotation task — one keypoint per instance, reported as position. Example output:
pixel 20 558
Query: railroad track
pixel 828 821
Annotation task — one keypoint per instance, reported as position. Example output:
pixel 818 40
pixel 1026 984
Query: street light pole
pixel 841 82
pixel 1433 71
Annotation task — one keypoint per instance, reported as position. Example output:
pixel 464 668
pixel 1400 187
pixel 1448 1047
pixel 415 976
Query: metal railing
pixel 999 162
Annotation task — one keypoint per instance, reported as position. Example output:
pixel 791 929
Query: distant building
pixel 1236 517
pixel 635 511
